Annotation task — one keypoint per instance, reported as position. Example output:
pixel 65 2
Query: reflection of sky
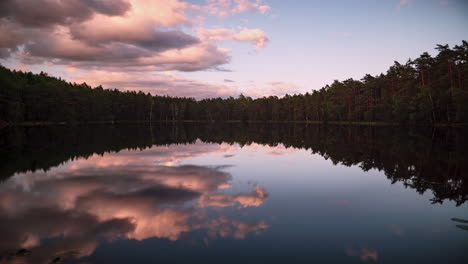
pixel 132 195
pixel 360 211
pixel 208 198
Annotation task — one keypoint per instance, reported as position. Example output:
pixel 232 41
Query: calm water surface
pixel 233 194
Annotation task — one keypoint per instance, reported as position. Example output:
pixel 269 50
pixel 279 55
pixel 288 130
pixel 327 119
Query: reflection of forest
pixel 425 159
pixel 462 223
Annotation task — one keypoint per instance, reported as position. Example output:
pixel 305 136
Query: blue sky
pixel 310 44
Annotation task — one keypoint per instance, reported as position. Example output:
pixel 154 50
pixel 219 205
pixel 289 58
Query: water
pixel 233 194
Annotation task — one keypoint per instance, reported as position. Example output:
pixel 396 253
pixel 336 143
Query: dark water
pixel 233 194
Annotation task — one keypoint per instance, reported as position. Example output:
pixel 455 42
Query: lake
pixel 233 193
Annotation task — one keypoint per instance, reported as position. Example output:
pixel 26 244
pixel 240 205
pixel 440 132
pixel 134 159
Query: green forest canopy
pixel 426 90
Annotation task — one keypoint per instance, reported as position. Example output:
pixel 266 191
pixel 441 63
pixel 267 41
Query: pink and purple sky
pixel 211 48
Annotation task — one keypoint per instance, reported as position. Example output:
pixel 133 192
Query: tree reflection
pixel 463 224
pixel 424 159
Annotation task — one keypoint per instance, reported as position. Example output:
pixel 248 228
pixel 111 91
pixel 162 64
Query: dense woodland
pixel 426 90
pixel 422 159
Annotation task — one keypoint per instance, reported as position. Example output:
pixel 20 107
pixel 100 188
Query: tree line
pixel 426 90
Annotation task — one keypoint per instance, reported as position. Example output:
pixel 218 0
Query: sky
pixel 222 48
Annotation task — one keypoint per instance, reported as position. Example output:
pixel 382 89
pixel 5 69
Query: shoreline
pixel 345 123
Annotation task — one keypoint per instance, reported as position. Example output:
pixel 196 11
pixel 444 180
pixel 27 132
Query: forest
pixel 427 90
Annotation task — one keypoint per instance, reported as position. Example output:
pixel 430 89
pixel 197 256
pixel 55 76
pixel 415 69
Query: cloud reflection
pixel 80 204
pixel 364 254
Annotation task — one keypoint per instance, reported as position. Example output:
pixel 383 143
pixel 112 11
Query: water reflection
pixel 80 204
pixel 462 223
pixel 364 254
pixel 67 191
pixel 426 159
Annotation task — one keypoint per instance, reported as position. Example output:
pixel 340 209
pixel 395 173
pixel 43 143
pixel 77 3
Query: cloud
pixel 42 13
pixel 145 36
pixel 255 36
pixel 134 35
pixel 121 57
pixel 10 37
pixel 225 8
pixel 117 197
pixel 136 41
pixel 273 88
pixel 245 5
pixel 160 84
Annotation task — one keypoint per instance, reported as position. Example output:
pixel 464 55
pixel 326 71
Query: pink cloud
pixel 255 36
pixel 245 5
pixel 273 88
pixel 157 83
pixel 138 35
pixel 224 8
